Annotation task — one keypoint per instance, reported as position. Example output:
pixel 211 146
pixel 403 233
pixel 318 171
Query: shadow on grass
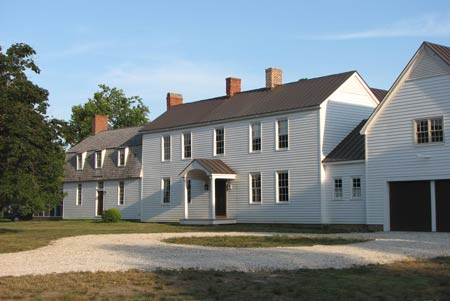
pixel 5 231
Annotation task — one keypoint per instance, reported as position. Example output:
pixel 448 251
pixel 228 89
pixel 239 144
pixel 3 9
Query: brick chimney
pixel 233 86
pixel 174 99
pixel 99 123
pixel 274 77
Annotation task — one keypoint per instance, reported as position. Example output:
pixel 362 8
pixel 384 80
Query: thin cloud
pixel 81 49
pixel 427 26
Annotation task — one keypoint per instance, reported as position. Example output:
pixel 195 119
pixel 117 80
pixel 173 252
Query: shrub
pixel 111 215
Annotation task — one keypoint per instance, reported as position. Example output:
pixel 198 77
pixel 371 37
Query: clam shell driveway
pixel 116 252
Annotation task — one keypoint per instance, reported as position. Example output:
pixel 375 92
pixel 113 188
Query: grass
pixel 247 241
pixel 411 280
pixel 22 236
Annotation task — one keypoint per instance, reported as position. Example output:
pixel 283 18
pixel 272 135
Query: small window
pixel 429 130
pixel 255 188
pixel 79 194
pixel 283 186
pixel 189 191
pixel 187 148
pixel 166 190
pixel 255 136
pixel 219 141
pixel 79 161
pixel 338 193
pixel 121 193
pixel 166 148
pixel 121 157
pixel 98 159
pixel 282 134
pixel 356 188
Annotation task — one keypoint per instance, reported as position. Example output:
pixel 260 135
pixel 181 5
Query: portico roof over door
pixel 211 167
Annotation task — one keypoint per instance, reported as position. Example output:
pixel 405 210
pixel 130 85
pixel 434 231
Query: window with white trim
pixel 98 159
pixel 356 188
pixel 255 188
pixel 189 191
pixel 165 190
pixel 255 136
pixel 338 191
pixel 79 161
pixel 282 134
pixel 166 148
pixel 429 130
pixel 282 186
pixel 121 157
pixel 187 145
pixel 121 193
pixel 79 194
pixel 219 137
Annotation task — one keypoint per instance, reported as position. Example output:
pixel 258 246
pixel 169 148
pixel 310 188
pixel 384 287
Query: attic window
pixel 98 159
pixel 429 130
pixel 79 161
pixel 121 157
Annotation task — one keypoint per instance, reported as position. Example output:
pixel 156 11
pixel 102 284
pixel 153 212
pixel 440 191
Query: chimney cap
pixel 174 95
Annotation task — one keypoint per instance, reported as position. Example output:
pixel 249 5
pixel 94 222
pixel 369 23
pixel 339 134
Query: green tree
pixel 31 148
pixel 122 112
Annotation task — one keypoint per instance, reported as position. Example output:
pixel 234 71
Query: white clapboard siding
pixel 346 210
pixel 392 154
pixel 428 64
pixel 88 207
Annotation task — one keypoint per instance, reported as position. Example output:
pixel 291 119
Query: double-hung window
pixel 255 137
pixel 356 188
pixel 338 192
pixel 79 194
pixel 187 145
pixel 98 159
pixel 165 190
pixel 282 134
pixel 255 188
pixel 219 137
pixel 429 130
pixel 121 157
pixel 166 148
pixel 79 161
pixel 121 193
pixel 282 186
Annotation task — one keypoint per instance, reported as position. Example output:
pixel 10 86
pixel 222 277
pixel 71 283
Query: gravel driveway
pixel 146 251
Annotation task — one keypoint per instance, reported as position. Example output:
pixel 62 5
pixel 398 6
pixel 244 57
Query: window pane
pixel 98 159
pixel 166 190
pixel 79 161
pixel 220 141
pixel 121 157
pixel 79 193
pixel 437 132
pixel 422 131
pixel 356 188
pixel 256 136
pixel 283 186
pixel 187 145
pixel 256 188
pixel 338 188
pixel 283 137
pixel 121 193
pixel 166 141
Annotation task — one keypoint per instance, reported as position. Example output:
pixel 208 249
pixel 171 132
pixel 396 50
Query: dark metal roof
pixel 379 93
pixel 110 139
pixel 442 51
pixel 351 148
pixel 301 94
pixel 109 170
pixel 213 166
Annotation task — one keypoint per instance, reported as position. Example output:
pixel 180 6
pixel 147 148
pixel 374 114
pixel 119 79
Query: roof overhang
pixel 211 167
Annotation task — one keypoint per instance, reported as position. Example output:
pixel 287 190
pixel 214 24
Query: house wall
pixel 302 161
pixel 346 210
pixel 391 152
pixel 87 210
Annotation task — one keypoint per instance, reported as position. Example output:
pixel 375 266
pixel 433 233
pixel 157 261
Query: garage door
pixel 410 206
pixel 442 205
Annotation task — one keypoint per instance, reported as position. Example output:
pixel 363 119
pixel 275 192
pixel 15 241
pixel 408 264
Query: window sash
pixel 122 157
pixel 166 190
pixel 166 148
pixel 255 179
pixel 79 194
pixel 283 186
pixel 98 159
pixel 429 130
pixel 79 161
pixel 356 188
pixel 283 134
pixel 220 141
pixel 338 191
pixel 256 136
pixel 187 148
pixel 121 193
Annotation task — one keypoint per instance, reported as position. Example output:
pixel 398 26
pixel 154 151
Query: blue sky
pixel 149 48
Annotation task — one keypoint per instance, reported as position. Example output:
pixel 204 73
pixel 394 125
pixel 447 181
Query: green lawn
pixel 247 241
pixel 29 235
pixel 414 280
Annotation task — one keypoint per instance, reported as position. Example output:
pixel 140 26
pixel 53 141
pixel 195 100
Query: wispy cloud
pixel 81 49
pixel 433 25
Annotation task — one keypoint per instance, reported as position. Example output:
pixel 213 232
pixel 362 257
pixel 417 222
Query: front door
pixel 221 197
pixel 99 198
